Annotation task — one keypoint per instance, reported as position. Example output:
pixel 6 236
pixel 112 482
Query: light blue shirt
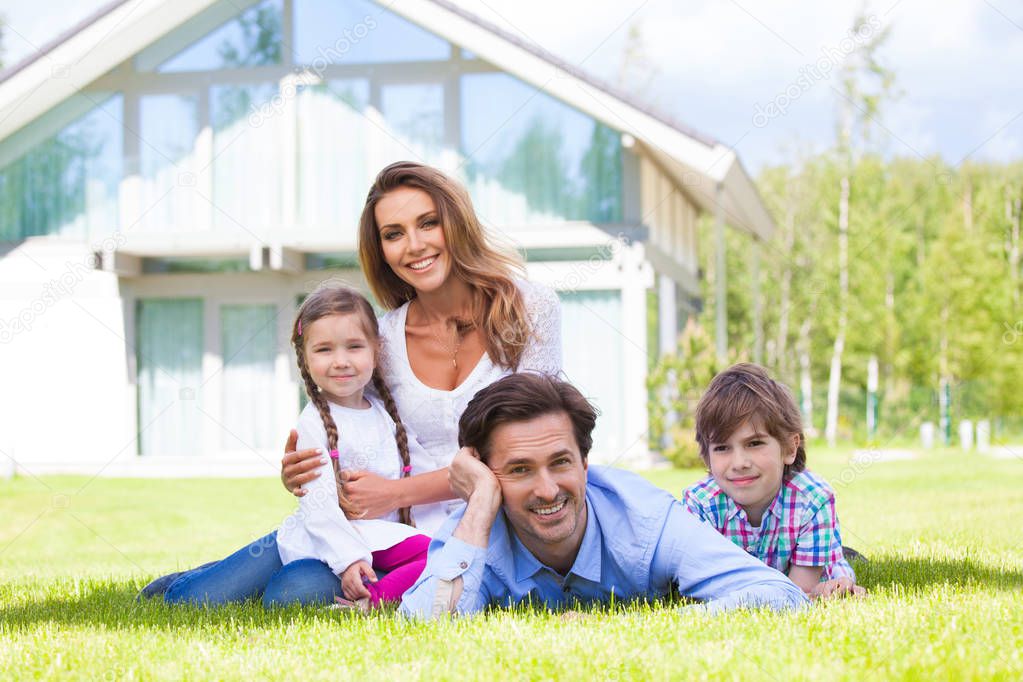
pixel 639 542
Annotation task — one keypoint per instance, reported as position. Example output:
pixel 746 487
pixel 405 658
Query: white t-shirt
pixel 319 529
pixel 433 413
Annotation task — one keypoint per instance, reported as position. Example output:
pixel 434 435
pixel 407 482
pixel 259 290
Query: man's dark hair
pixel 521 397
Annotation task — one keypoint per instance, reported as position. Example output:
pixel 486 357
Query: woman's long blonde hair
pixel 498 309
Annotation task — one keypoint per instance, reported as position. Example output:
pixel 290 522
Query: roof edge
pixel 572 70
pixel 54 43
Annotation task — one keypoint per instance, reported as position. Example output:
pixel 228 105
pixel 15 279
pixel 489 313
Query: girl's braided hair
pixel 331 299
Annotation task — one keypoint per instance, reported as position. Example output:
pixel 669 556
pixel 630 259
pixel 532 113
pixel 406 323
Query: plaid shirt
pixel 800 527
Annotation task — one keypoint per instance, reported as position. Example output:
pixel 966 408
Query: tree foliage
pixel 934 286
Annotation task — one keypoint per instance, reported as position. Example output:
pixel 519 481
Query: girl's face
pixel 749 467
pixel 340 358
pixel 412 238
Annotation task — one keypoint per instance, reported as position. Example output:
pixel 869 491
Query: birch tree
pixel 865 83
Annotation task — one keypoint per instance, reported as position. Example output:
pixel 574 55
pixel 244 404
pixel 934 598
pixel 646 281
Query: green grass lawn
pixel 945 579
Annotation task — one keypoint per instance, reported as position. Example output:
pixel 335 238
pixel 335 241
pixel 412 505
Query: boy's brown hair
pixel 746 392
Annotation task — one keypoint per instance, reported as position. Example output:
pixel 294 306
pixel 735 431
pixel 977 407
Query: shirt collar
pixel 587 561
pixel 774 509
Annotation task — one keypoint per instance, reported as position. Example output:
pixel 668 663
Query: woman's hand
pixel 351 580
pixel 298 468
pixel 371 496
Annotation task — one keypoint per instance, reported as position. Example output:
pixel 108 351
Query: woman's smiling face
pixel 412 238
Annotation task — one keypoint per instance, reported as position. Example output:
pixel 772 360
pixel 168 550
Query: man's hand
pixel 467 474
pixel 298 468
pixel 837 587
pixel 372 496
pixel 352 577
pixel 473 481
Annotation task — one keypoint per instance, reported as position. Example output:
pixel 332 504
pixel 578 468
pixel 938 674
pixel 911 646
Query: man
pixel 541 525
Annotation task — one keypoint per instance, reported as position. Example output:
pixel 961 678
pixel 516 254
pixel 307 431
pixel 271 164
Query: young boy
pixel 759 494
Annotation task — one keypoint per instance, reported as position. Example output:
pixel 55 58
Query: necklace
pixel 451 349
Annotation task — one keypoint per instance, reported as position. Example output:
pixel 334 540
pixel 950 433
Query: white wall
pixel 65 403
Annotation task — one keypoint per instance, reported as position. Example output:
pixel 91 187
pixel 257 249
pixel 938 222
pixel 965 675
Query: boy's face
pixel 749 467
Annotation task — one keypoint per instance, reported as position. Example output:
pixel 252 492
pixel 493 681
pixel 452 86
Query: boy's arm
pixel 805 577
pixel 818 552
pixel 819 544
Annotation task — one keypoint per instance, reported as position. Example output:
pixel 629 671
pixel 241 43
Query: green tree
pixel 676 383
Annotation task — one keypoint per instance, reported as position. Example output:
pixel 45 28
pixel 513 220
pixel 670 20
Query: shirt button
pixel 463 565
pixel 566 589
pixel 749 548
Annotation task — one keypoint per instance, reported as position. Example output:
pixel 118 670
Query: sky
pixel 720 65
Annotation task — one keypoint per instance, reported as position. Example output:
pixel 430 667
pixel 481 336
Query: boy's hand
pixel 351 580
pixel 837 587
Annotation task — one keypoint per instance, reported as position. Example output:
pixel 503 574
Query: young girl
pixel 336 341
pixel 759 494
pixel 318 553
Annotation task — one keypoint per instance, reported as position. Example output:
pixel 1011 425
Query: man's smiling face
pixel 543 485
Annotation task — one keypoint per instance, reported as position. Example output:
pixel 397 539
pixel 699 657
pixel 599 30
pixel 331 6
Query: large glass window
pixel 253 38
pixel 64 182
pixel 247 160
pixel 533 158
pixel 169 359
pixel 249 347
pixel 590 325
pixel 415 115
pixel 333 154
pixel 359 32
pixel 169 126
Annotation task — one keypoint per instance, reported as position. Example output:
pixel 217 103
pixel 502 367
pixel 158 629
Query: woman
pixel 459 320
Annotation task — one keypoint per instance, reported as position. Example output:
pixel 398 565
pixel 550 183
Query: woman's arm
pixel 372 494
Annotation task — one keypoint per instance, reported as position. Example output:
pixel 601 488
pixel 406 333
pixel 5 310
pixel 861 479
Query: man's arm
pixel 453 579
pixel 707 566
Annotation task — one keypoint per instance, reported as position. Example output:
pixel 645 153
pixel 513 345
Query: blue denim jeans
pixel 255 570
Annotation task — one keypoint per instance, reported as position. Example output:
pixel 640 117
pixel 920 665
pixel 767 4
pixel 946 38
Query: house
pixel 175 176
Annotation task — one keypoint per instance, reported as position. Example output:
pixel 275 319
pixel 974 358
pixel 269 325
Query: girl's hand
pixel 351 580
pixel 372 496
pixel 298 468
pixel 837 587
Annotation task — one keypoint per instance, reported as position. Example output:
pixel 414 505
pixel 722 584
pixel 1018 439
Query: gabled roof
pixel 699 164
